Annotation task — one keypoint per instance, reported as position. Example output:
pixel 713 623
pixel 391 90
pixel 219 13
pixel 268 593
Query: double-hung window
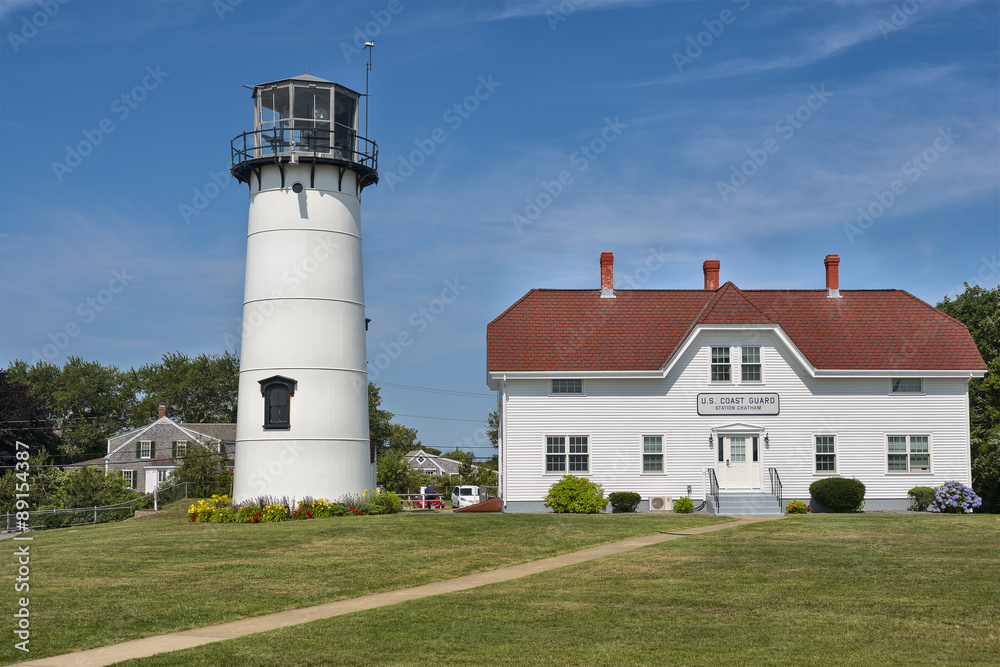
pixel 750 368
pixel 145 449
pixel 826 453
pixel 652 453
pixel 129 477
pixel 180 449
pixel 567 453
pixel 908 454
pixel 721 369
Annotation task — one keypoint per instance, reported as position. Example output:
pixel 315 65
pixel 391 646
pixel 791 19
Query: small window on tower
pixel 277 392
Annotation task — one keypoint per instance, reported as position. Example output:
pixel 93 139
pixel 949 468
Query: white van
pixel 465 495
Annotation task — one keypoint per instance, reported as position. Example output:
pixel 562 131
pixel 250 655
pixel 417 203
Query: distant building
pixel 147 455
pixel 430 464
pixel 731 396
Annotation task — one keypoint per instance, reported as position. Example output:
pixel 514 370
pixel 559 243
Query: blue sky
pixel 518 140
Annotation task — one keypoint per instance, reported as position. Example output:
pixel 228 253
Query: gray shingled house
pixel 147 455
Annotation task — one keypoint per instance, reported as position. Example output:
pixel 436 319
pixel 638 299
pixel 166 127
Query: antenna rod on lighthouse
pixel 368 68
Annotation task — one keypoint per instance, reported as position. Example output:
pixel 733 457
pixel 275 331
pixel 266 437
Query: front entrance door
pixel 152 480
pixel 738 466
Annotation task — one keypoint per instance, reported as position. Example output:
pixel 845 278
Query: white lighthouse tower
pixel 302 426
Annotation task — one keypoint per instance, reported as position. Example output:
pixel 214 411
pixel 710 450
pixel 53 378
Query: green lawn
pixel 811 590
pixel 106 584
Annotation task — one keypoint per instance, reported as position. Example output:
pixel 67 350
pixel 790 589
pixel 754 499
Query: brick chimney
pixel 832 263
pixel 711 270
pixel 161 411
pixel 607 275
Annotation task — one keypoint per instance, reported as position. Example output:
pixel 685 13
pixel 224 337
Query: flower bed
pixel 265 509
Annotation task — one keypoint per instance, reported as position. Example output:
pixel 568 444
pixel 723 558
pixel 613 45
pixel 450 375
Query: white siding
pixel 616 413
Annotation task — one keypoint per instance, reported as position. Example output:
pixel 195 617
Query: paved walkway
pixel 175 641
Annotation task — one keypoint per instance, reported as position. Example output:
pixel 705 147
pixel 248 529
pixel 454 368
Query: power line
pixel 439 391
pixel 449 419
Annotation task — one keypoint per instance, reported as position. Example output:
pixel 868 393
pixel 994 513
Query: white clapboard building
pixel 740 398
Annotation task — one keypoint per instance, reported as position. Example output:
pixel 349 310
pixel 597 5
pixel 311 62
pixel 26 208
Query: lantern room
pixel 305 119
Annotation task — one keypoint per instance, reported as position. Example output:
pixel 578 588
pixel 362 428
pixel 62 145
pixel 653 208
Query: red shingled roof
pixel 577 330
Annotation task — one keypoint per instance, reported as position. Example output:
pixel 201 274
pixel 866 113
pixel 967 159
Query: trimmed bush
pixel 797 507
pixel 919 498
pixel 839 494
pixel 577 495
pixel 683 505
pixel 624 501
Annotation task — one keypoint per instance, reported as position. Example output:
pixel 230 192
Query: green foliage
pixel 839 494
pixel 89 487
pixel 493 427
pixel 979 310
pixel 797 507
pixel 206 469
pixel 394 471
pixel 87 402
pixel 684 506
pixel 43 485
pixel 919 498
pixel 24 418
pixel 202 389
pixel 624 501
pixel 383 503
pixel 576 494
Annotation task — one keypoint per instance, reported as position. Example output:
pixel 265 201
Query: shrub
pixel 577 495
pixel 797 507
pixel 919 498
pixel 683 505
pixel 955 498
pixel 839 494
pixel 624 501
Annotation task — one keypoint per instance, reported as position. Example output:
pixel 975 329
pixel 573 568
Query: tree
pixel 206 469
pixel 394 472
pixel 200 390
pixel 388 434
pixel 89 487
pixel 979 310
pixel 23 418
pixel 86 401
pixel 493 427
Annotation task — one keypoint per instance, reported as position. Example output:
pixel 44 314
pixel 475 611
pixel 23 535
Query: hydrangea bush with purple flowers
pixel 955 498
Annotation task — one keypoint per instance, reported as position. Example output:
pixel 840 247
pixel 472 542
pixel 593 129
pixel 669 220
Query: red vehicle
pixel 429 499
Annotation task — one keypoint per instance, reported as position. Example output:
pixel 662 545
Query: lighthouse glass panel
pixel 274 120
pixel 345 125
pixel 312 118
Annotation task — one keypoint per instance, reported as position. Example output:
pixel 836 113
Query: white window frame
pixel 909 453
pixel 759 364
pixel 564 382
pixel 129 477
pixel 181 448
pixel 146 449
pixel 644 454
pixel 895 389
pixel 566 453
pixel 835 453
pixel 712 363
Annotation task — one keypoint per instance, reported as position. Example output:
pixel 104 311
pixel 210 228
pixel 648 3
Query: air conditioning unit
pixel 661 504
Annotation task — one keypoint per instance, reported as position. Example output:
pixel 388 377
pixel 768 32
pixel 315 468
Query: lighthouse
pixel 302 425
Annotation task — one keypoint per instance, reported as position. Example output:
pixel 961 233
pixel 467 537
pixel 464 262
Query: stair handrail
pixel 713 485
pixel 775 485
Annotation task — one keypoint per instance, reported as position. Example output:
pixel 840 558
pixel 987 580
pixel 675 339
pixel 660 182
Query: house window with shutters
pixel 277 392
pixel 145 449
pixel 179 449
